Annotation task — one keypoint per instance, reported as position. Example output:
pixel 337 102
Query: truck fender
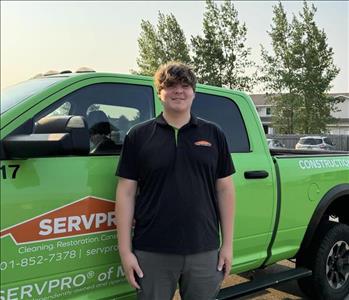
pixel 334 193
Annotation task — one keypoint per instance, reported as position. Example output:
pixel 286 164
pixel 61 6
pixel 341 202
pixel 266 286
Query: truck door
pixel 254 196
pixel 57 221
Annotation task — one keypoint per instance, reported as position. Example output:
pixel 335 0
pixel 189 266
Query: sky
pixel 37 36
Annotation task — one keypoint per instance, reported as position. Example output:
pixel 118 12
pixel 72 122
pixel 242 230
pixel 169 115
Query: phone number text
pixel 40 259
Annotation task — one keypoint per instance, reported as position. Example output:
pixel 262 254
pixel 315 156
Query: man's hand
pixel 225 260
pixel 130 264
pixel 226 204
pixel 124 210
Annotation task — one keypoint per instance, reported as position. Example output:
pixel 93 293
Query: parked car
pixel 275 144
pixel 315 142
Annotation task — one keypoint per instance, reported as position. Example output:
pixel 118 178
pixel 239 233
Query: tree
pixel 298 73
pixel 160 44
pixel 278 74
pixel 149 49
pixel 220 56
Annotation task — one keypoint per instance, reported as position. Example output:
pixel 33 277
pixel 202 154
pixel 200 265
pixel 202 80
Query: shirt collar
pixel 161 120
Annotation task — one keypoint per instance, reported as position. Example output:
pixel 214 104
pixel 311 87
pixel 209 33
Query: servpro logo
pixel 203 143
pixel 84 216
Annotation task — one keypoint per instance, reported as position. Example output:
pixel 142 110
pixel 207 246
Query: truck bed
pixel 294 152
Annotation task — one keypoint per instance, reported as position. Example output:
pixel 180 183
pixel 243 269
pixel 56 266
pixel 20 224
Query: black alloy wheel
pixel 328 258
pixel 337 265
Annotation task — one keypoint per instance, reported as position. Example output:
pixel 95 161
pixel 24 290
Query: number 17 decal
pixel 6 171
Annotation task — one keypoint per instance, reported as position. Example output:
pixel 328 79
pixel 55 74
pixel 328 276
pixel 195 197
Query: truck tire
pixel 328 258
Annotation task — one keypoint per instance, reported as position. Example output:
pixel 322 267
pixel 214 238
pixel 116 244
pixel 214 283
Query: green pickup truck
pixel 58 238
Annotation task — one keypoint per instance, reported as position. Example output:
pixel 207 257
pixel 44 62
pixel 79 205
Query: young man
pixel 175 181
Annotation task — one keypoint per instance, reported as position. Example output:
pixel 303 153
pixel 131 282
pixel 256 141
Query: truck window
pixel 224 112
pixel 62 110
pixel 110 109
pixel 120 118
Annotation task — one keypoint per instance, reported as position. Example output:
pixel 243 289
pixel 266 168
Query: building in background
pixel 264 111
pixel 340 127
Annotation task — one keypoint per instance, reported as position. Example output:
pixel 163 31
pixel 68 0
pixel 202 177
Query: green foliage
pixel 160 44
pixel 220 56
pixel 299 72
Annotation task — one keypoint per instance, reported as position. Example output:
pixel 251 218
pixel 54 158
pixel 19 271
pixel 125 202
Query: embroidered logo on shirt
pixel 203 143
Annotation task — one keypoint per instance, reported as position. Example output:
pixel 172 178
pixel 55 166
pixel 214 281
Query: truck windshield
pixel 15 94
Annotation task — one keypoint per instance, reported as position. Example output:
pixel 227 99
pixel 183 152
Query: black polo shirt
pixel 176 208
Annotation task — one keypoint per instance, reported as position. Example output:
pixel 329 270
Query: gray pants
pixel 196 274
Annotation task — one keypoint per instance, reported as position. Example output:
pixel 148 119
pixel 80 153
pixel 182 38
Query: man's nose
pixel 178 88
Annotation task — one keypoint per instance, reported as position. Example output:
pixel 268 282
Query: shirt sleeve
pixel 128 166
pixel 225 166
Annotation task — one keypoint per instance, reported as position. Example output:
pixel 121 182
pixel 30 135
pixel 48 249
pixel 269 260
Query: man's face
pixel 177 98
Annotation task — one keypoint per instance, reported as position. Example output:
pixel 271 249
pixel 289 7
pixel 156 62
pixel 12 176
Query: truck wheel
pixel 329 261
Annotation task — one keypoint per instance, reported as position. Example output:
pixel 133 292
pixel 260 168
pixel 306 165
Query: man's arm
pixel 124 210
pixel 226 204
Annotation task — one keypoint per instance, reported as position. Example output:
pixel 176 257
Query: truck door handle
pixel 256 174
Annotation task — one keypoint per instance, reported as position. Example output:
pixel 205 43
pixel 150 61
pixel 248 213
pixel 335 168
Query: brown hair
pixel 174 72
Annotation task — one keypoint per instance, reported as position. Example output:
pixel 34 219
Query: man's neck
pixel 177 120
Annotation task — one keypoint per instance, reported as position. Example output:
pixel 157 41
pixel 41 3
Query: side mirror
pixel 52 136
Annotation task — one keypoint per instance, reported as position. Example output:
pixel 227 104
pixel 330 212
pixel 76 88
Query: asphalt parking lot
pixel 284 291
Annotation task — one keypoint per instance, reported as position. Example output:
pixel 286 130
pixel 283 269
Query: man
pixel 175 181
